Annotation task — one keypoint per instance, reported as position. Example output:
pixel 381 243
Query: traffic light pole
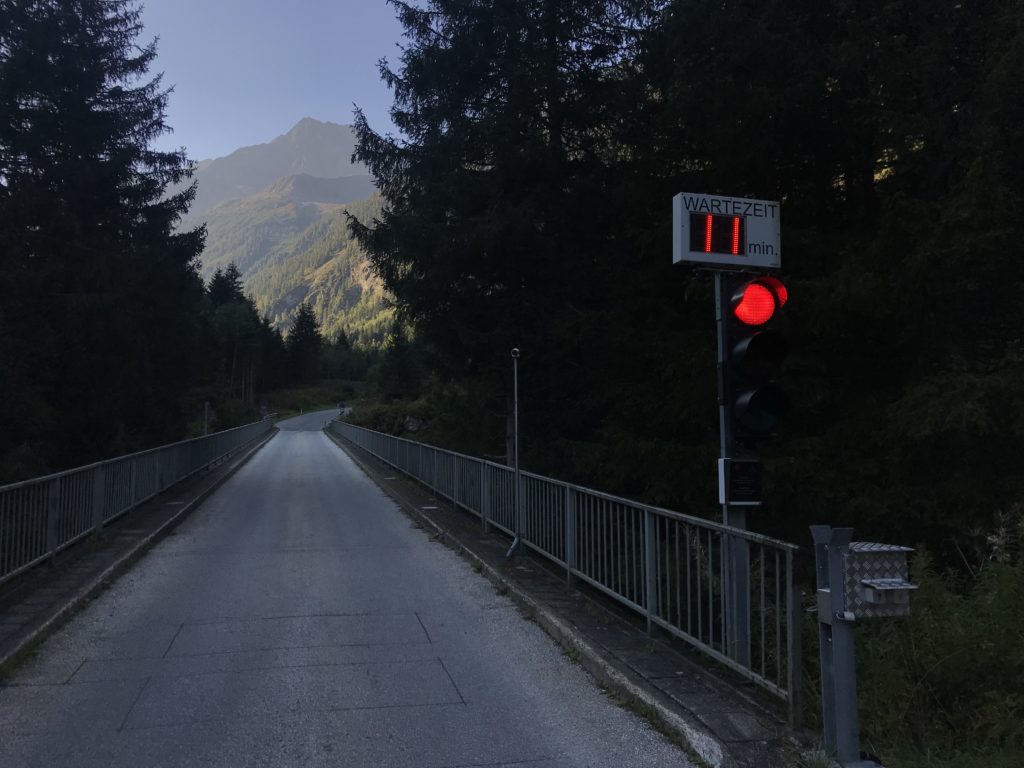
pixel 735 236
pixel 736 592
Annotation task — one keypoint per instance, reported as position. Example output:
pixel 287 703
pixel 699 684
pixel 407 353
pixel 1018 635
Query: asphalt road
pixel 299 618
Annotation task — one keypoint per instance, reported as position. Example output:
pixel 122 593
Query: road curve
pixel 299 618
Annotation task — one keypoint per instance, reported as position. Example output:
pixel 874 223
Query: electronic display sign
pixel 726 231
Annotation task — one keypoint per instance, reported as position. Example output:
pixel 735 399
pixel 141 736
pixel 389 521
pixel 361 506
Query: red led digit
pixel 735 235
pixel 707 234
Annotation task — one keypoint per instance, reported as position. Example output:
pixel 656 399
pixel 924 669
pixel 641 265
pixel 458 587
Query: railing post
pixel 99 493
pixel 650 580
pixel 161 469
pixel 52 513
pixel 520 507
pixel 570 535
pixel 485 497
pixel 455 483
pixel 795 640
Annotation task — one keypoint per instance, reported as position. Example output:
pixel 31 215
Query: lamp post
pixel 516 512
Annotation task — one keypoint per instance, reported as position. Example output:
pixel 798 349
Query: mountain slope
pixel 246 229
pixel 303 188
pixel 291 251
pixel 326 267
pixel 277 211
pixel 319 149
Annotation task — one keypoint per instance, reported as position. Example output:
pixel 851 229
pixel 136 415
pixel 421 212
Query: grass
pixel 816 758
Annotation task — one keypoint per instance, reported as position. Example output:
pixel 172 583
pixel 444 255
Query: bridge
pixel 308 596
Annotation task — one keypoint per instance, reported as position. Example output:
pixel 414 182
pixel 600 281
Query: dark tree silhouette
pixel 100 296
pixel 304 344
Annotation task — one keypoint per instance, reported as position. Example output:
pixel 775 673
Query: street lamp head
pixel 515 352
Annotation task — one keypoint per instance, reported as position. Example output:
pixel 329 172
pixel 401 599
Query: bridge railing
pixel 680 572
pixel 42 516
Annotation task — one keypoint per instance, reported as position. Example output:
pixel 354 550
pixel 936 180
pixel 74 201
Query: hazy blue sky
pixel 245 71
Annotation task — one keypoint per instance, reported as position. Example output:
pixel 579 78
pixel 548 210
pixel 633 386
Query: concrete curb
pixel 36 635
pixel 622 684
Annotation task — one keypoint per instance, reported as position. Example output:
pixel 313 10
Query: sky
pixel 245 71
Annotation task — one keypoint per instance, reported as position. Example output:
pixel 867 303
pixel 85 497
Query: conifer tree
pixel 226 285
pixel 494 233
pixel 100 295
pixel 304 344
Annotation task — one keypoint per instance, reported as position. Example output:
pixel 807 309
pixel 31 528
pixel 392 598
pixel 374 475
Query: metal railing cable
pixel 668 567
pixel 42 516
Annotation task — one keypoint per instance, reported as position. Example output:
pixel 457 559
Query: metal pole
pixel 485 496
pixel 99 489
pixel 206 418
pixel 836 648
pixel 650 577
pixel 723 412
pixel 570 535
pixel 517 512
pixel 794 644
pixel 736 551
pixel 52 513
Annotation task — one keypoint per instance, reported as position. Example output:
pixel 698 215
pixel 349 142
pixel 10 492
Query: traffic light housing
pixel 755 346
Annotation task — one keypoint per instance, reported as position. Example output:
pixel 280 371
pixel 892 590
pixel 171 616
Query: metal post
pixel 836 643
pixel 52 513
pixel 736 552
pixel 455 483
pixel 206 417
pixel 517 509
pixel 570 535
pixel 650 581
pixel 795 642
pixel 485 497
pixel 99 490
pixel 822 535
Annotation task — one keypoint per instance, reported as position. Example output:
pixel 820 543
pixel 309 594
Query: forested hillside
pixel 531 208
pixel 291 245
pixel 324 266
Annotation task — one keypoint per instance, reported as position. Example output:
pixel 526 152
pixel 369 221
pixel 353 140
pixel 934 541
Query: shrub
pixel 946 685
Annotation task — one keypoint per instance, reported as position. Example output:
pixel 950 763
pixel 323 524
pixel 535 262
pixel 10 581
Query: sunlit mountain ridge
pixel 288 235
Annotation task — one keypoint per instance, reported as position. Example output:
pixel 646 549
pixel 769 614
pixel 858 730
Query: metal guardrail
pixel 669 567
pixel 42 516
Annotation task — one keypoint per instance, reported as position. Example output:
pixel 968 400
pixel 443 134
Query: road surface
pixel 299 618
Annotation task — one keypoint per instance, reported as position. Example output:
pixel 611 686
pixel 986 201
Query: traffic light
pixel 755 346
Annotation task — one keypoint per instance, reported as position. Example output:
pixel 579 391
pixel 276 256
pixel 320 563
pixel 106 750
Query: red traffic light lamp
pixel 756 347
pixel 757 301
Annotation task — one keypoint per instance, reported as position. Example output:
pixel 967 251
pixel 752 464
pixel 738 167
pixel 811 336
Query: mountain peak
pixel 319 149
pixel 309 128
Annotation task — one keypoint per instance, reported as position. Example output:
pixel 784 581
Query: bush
pixel 393 418
pixel 945 686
